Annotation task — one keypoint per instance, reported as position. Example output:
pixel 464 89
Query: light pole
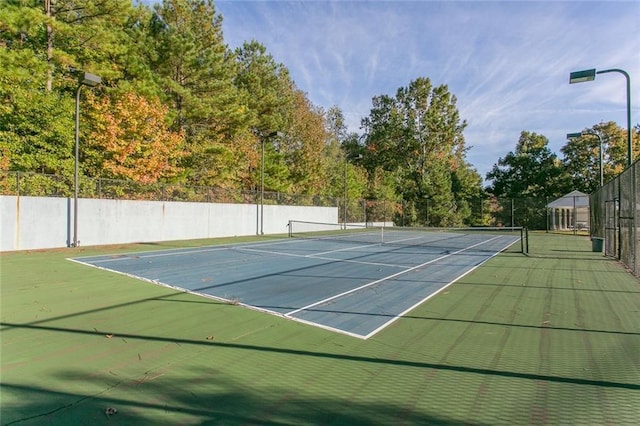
pixel 346 186
pixel 262 141
pixel 590 75
pixel 90 80
pixel 426 221
pixel 590 132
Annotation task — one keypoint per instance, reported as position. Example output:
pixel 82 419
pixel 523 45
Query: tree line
pixel 177 105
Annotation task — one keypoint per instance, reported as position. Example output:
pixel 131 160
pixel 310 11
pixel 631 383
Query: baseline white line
pixel 328 299
pixel 400 315
pixel 134 256
pixel 222 299
pixel 180 252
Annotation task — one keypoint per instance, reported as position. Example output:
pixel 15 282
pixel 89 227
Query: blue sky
pixel 507 62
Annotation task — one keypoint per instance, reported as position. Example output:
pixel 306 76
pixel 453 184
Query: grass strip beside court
pixel 552 337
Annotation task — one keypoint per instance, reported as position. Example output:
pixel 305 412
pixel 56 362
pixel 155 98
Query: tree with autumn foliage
pixel 176 104
pixel 303 148
pixel 582 155
pixel 130 139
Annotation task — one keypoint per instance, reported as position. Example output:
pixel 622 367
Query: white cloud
pixel 506 62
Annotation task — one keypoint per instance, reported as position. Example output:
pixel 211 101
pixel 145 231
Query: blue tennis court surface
pixel 351 287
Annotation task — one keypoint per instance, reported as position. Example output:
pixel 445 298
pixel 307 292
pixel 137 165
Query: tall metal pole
pixel 601 168
pixel 91 80
pixel 262 141
pixel 512 213
pixel 600 155
pixel 629 145
pixel 257 212
pixel 346 194
pixel 346 185
pixel 600 143
pixel 426 223
pixel 75 174
pixel 262 190
pixel 629 141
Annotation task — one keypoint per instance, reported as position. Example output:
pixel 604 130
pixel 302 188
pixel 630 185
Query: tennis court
pixel 352 281
pixel 547 338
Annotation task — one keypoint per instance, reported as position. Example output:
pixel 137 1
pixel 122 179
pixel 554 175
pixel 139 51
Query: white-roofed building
pixel 569 212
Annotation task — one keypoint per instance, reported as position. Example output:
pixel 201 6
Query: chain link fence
pixel 43 185
pixel 531 213
pixel 614 209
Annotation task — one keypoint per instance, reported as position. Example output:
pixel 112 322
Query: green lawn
pixel 549 338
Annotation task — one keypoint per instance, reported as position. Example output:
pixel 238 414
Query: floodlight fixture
pixel 88 79
pixel 582 76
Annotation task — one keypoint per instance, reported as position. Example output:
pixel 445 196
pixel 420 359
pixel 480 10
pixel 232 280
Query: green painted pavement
pixel 549 338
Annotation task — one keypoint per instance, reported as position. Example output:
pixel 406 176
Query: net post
pixel 522 240
pixel 290 231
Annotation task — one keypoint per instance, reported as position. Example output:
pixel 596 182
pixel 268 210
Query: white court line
pixel 222 299
pixel 241 246
pixel 328 299
pixel 332 259
pixel 345 249
pixel 179 252
pixel 136 256
pixel 409 239
pixel 319 255
pixel 288 315
pixel 400 315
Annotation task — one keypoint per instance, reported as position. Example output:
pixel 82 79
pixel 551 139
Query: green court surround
pixel 548 338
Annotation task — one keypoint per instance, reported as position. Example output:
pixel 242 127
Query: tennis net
pixel 515 239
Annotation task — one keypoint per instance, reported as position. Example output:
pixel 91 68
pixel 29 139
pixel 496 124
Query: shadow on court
pixel 205 397
pixel 303 353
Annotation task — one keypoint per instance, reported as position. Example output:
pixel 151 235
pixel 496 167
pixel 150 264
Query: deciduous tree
pixel 531 170
pixel 417 135
pixel 304 144
pixel 582 155
pixel 526 179
pixel 131 140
